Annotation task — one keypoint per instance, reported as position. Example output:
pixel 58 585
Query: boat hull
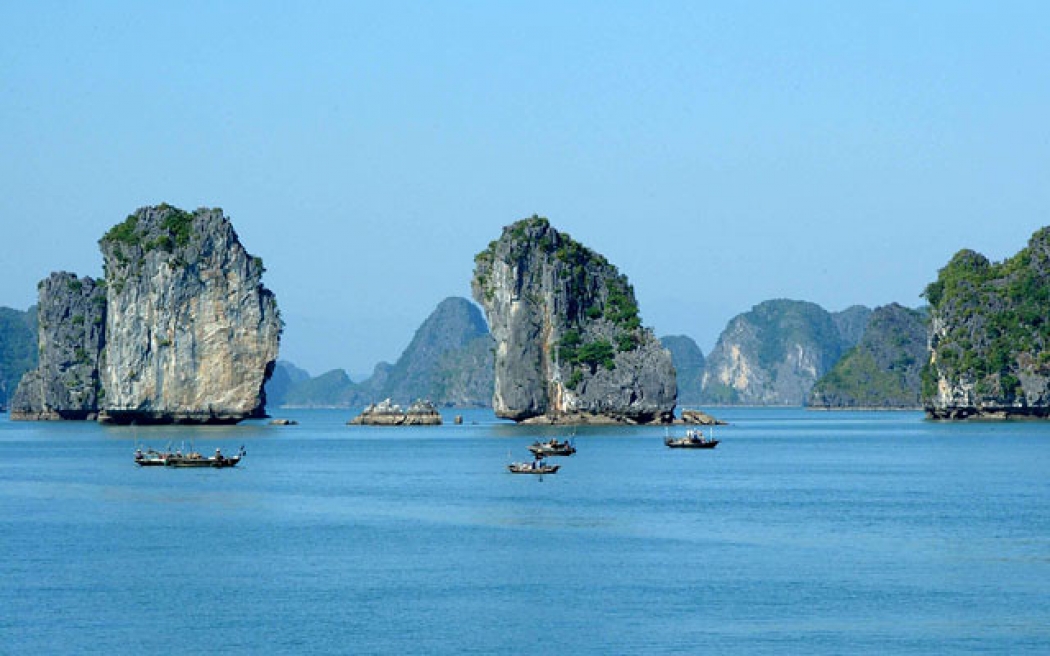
pixel 217 463
pixel 686 443
pixel 526 468
pixel 151 458
pixel 546 451
pixel 192 460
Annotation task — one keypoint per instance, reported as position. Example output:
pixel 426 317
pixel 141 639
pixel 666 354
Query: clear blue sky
pixel 720 154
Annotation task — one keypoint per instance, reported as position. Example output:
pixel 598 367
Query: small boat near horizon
pixel 694 439
pixel 152 458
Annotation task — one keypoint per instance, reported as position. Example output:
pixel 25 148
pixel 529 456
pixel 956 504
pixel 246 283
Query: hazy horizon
pixel 719 155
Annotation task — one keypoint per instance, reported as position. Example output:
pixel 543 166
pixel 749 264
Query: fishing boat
pixel 694 439
pixel 537 466
pixel 552 447
pixel 196 459
pixel 151 458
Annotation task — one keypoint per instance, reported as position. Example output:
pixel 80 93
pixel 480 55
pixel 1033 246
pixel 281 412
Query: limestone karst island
pixel 989 336
pixel 182 330
pixel 570 345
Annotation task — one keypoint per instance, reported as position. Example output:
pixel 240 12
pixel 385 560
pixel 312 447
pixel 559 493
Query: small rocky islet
pixel 182 330
pixel 387 413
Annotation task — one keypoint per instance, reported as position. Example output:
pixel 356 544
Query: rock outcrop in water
pixel 570 345
pixel 191 332
pixel 883 369
pixel 388 413
pixel 71 334
pixel 774 354
pixel 989 336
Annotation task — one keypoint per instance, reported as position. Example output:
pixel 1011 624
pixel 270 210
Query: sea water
pixel 803 532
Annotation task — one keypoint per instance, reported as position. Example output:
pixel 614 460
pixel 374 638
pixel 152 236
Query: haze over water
pixel 819 532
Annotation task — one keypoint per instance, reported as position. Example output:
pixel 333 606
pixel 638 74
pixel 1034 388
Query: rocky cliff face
pixel 772 355
pixel 569 340
pixel 18 349
pixel 688 362
pixel 989 336
pixel 192 334
pixel 883 369
pixel 71 333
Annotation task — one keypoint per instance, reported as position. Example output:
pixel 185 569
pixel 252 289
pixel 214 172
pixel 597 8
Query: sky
pixel 719 153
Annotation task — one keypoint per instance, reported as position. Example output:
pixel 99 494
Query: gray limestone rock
pixel 569 340
pixel 71 335
pixel 388 413
pixel 192 333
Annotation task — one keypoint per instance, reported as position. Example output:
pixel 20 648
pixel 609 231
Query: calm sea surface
pixel 815 533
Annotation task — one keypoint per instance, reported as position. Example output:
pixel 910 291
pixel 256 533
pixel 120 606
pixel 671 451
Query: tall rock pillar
pixel 570 346
pixel 71 333
pixel 192 333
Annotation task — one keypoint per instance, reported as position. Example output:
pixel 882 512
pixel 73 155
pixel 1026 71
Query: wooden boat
pixel 693 439
pixel 534 467
pixel 195 459
pixel 552 447
pixel 151 458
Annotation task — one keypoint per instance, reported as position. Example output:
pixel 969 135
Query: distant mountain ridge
pixel 18 349
pixel 787 346
pixel 688 362
pixel 449 362
pixel 883 369
pixel 773 354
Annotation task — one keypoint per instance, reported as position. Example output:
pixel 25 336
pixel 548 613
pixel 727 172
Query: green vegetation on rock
pixel 178 223
pixel 125 232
